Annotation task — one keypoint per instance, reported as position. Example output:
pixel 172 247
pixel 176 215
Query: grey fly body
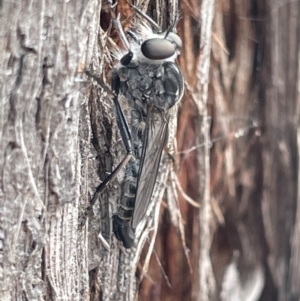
pixel 152 83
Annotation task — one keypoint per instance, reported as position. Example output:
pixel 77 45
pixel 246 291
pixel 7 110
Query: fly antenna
pixel 171 28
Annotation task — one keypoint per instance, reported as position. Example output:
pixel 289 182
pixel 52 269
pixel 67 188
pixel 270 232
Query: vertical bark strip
pixel 206 277
pixel 43 46
pixel 281 152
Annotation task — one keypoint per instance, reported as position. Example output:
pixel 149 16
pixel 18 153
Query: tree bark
pixel 43 46
pixel 236 236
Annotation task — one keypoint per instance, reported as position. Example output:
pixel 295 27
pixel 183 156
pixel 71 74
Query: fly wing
pixel 155 136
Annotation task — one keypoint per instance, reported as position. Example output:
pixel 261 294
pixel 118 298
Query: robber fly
pixel 152 83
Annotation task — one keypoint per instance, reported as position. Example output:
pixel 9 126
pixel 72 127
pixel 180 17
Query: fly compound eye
pixel 158 49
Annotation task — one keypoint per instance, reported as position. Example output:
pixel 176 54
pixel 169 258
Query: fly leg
pixel 125 134
pixel 126 59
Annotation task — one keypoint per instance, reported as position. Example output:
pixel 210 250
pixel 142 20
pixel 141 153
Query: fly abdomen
pixel 121 221
pixel 128 199
pixel 123 231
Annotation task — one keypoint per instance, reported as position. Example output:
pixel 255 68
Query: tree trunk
pixel 43 45
pixel 236 237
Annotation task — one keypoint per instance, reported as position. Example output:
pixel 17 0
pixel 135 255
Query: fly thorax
pixel 150 84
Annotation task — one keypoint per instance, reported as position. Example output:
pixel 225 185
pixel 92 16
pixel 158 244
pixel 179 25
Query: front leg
pixel 126 59
pixel 125 134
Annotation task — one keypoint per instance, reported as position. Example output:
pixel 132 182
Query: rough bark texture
pixel 43 44
pixel 238 240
